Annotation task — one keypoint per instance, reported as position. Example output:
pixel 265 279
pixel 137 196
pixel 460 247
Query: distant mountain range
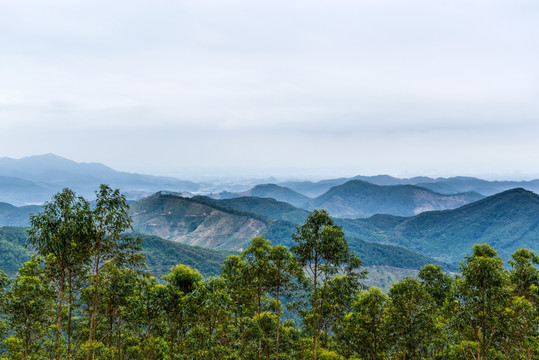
pixel 452 185
pixel 357 198
pixel 403 223
pixel 34 179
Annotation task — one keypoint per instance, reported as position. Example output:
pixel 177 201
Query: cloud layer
pixel 273 88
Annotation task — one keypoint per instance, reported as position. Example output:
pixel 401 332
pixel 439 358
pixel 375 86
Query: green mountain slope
pixel 507 221
pixel 13 252
pixel 206 222
pixel 161 254
pixel 358 198
pixel 270 208
pixel 16 216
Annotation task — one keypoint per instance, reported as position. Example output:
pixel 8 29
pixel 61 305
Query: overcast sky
pixel 284 88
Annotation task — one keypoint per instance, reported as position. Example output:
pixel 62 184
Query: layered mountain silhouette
pixel 357 198
pixel 452 185
pixel 208 223
pixel 34 179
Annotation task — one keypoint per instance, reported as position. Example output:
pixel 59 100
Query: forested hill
pixel 196 222
pixel 270 208
pixel 206 222
pixel 508 221
pixel 160 254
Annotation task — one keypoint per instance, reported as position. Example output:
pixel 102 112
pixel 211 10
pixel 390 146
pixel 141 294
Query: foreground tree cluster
pixel 87 296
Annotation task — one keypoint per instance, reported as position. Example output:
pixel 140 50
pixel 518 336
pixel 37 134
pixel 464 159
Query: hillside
pixel 161 254
pixel 206 222
pixel 507 221
pixel 358 198
pixel 270 208
pixel 16 216
pixel 195 222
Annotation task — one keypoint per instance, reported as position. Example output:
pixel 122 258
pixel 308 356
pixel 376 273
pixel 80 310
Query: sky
pixel 292 89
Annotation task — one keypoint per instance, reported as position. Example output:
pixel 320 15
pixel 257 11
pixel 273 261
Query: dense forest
pixel 87 295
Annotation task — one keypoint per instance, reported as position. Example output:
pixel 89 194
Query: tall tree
pixel 410 318
pixel 364 333
pixel 284 269
pixel 257 269
pixel 179 283
pixel 322 250
pixel 436 282
pixel 4 281
pixel 480 299
pixel 110 219
pixel 30 312
pixel 62 229
pixel 524 277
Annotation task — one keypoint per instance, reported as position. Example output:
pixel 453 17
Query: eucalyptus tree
pixel 4 281
pixel 211 334
pixel 109 244
pixel 179 283
pixel 257 270
pixel 438 285
pixel 29 307
pixel 524 274
pixel 282 283
pixel 323 252
pixel 410 318
pixel 436 282
pixel 481 296
pixel 524 277
pixel 364 333
pixel 63 229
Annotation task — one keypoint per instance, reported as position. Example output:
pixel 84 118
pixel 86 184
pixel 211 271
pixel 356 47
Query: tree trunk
pixel 70 314
pixel 278 323
pixel 59 315
pixel 315 320
pixel 92 313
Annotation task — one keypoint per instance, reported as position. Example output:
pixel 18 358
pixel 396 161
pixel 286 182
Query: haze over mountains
pixel 402 223
pixel 34 179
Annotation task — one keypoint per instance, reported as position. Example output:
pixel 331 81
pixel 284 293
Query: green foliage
pixel 161 255
pixel 323 252
pixel 270 208
pixel 115 310
pixel 480 298
pixel 364 332
pixel 29 312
